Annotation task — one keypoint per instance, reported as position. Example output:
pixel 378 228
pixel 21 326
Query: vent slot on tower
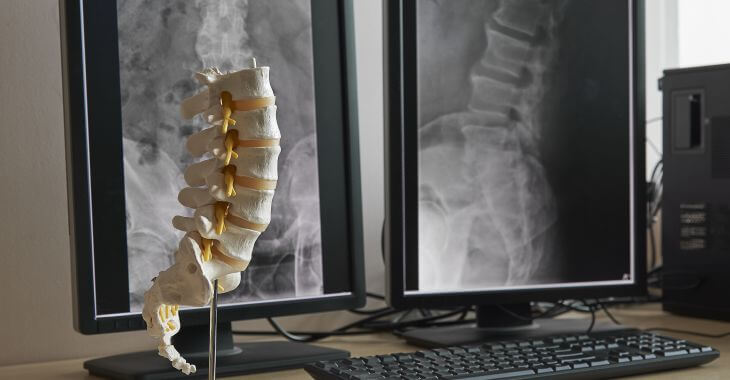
pixel 687 120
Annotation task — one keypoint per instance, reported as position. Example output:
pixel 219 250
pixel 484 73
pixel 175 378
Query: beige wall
pixel 35 305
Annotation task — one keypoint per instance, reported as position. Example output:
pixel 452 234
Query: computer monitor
pixel 515 157
pixel 128 64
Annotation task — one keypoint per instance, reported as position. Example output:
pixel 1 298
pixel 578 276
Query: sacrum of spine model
pixel 231 193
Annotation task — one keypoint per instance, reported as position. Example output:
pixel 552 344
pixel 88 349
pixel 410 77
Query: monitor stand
pixel 233 359
pixel 494 323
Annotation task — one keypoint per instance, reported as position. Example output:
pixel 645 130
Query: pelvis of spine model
pixel 231 193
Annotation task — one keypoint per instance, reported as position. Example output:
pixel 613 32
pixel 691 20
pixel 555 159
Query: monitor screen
pixel 161 44
pixel 524 146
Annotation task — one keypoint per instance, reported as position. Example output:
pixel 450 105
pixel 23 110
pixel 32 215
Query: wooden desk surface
pixel 637 316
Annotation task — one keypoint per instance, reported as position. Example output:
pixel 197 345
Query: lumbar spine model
pixel 230 192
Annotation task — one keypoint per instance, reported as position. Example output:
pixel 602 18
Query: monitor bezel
pixel 401 120
pixel 91 97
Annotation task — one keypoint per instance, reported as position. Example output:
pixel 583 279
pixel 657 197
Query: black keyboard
pixel 556 357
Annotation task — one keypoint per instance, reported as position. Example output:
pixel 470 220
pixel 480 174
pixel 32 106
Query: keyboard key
pixel 577 358
pixel 579 365
pixel 597 363
pixel 672 353
pixel 568 354
pixel 385 359
pixel 543 369
pixel 357 373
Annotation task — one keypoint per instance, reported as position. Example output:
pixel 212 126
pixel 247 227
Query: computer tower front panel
pixel 696 196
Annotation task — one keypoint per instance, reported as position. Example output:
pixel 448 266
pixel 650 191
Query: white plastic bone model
pixel 230 192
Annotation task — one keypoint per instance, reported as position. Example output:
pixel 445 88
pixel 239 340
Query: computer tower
pixel 696 195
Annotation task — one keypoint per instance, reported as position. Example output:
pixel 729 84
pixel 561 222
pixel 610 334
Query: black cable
pixel 654 270
pixel 402 316
pixel 370 312
pixel 609 314
pixel 513 314
pixel 593 321
pixel 556 310
pixel 653 147
pixel 651 143
pixel 292 337
pixel 653 120
pixel 697 333
pixel 530 318
pixel 423 321
pixel 371 318
pixel 373 311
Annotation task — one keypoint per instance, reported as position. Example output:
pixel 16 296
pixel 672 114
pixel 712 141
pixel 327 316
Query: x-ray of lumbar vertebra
pixel 486 210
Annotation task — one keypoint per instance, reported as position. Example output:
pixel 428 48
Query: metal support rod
pixel 212 345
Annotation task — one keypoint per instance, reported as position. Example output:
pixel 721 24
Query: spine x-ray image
pixel 492 78
pixel 162 43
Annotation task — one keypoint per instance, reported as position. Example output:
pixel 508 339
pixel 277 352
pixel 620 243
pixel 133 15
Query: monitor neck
pixel 193 340
pixel 506 316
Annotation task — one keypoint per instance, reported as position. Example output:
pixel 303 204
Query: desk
pixel 644 316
